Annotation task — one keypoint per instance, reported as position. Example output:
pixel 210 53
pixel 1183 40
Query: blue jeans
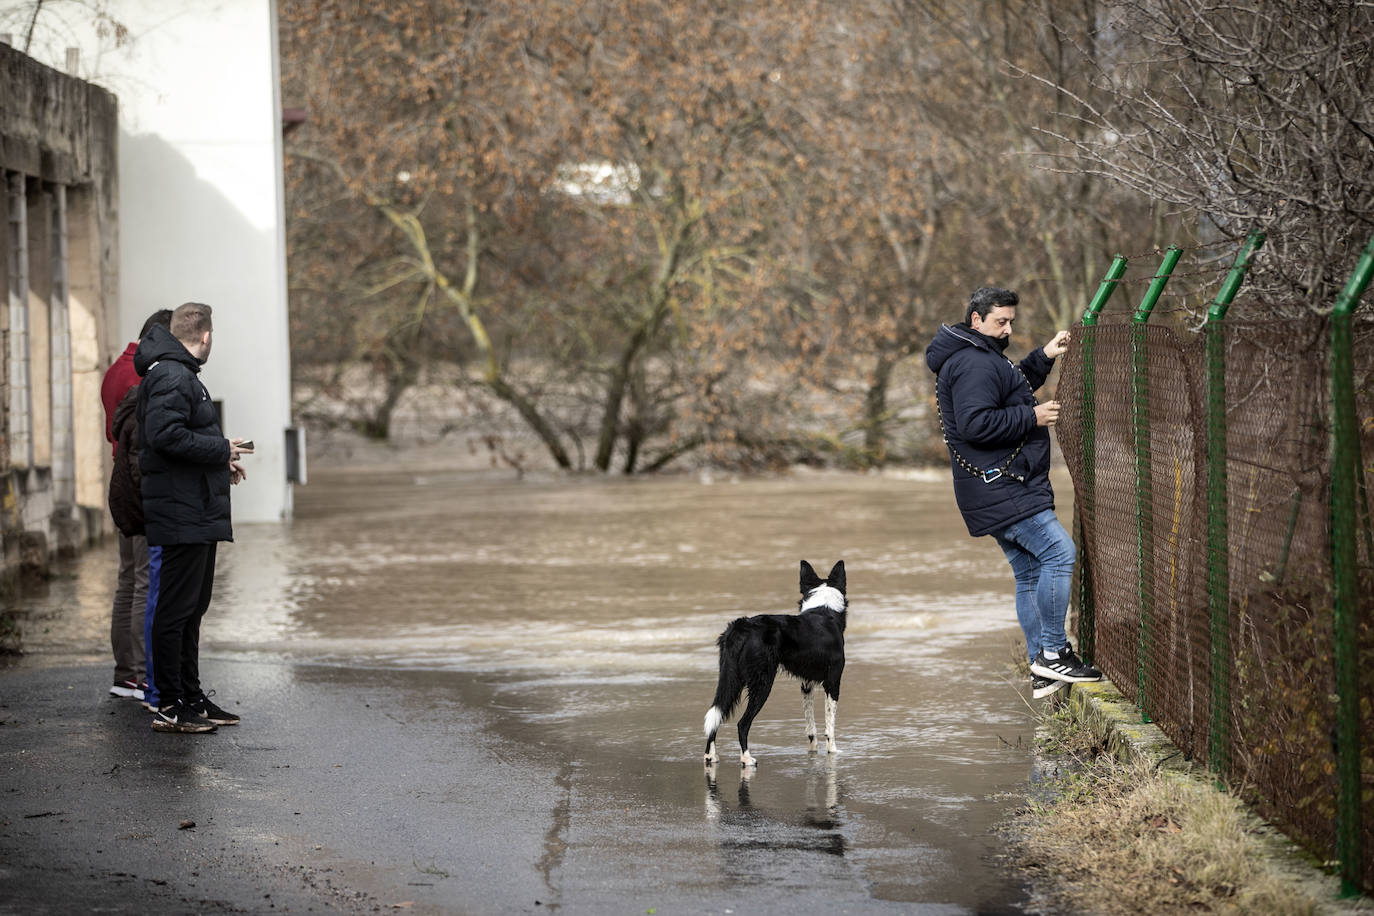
pixel 1041 554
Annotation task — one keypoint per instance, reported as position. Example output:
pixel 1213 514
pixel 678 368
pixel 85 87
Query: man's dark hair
pixel 161 316
pixel 986 298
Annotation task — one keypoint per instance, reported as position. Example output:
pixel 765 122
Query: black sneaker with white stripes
pixel 1044 686
pixel 1067 667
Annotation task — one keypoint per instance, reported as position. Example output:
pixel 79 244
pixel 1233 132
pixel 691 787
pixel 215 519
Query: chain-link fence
pixel 1211 593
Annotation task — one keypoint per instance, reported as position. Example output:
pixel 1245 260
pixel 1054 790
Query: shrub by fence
pixel 1227 562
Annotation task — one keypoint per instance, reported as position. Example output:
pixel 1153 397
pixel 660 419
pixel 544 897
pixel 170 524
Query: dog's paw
pixel 832 748
pixel 812 744
pixel 747 760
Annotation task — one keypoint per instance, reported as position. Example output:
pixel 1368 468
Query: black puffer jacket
pixel 989 409
pixel 126 500
pixel 185 457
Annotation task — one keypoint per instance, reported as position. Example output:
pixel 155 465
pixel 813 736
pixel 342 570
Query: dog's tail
pixel 730 685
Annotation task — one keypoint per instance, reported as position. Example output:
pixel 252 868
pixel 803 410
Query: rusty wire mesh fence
pixel 1248 687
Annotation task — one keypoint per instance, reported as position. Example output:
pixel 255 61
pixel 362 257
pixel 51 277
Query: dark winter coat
pixel 988 408
pixel 126 500
pixel 185 457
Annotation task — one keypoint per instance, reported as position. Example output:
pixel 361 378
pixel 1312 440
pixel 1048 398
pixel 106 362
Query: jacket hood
pixel 949 340
pixel 160 345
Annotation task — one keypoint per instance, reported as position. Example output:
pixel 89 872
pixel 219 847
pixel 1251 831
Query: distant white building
pixel 200 199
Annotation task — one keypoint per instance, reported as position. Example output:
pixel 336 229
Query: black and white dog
pixel 809 646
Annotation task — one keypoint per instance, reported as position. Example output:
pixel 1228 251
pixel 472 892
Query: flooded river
pixel 581 616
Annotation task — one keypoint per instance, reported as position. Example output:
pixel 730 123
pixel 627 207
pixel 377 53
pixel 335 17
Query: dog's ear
pixel 836 577
pixel 809 579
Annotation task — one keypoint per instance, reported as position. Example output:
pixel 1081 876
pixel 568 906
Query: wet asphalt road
pixel 339 792
pixel 471 695
pixel 349 790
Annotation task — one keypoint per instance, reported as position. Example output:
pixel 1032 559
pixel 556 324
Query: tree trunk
pixel 673 453
pixel 400 370
pixel 615 400
pixel 531 415
pixel 634 437
pixel 650 320
pixel 398 381
pixel 875 400
pixel 875 411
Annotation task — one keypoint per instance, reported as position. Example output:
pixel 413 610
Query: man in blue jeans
pixel 999 447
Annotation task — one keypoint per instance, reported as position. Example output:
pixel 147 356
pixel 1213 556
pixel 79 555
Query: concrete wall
pixel 58 272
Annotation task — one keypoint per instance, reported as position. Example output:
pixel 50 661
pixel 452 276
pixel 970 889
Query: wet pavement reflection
pixel 578 618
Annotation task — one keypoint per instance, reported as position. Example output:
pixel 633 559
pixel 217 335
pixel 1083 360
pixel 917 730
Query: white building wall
pixel 200 204
pixel 201 210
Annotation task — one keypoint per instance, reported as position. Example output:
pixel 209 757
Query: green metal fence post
pixel 1218 566
pixel 1104 290
pixel 1140 413
pixel 1345 472
pixel 1086 501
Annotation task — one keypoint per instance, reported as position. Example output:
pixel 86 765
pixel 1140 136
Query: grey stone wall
pixel 58 308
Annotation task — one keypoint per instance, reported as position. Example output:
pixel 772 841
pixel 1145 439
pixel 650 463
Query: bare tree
pixel 655 227
pixel 1240 115
pixel 46 29
pixel 475 132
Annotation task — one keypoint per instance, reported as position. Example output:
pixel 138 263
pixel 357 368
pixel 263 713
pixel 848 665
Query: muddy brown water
pixel 587 612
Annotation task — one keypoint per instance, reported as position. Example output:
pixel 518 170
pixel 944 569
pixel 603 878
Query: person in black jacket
pixel 187 467
pixel 998 437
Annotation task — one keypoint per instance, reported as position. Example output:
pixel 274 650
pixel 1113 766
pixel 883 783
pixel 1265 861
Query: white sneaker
pixel 127 689
pixel 1044 686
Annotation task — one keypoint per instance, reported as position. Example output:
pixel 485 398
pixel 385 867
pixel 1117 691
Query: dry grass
pixel 1061 733
pixel 1121 838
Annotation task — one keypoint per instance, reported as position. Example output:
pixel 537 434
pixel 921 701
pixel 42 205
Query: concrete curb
pixel 1106 710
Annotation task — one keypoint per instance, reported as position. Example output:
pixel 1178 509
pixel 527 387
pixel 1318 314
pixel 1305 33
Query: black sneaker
pixel 1067 667
pixel 212 713
pixel 181 718
pixel 1044 686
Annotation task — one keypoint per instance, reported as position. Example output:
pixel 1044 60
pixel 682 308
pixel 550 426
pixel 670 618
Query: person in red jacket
pixel 131 586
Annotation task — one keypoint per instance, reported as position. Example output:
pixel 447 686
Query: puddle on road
pixel 587 610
